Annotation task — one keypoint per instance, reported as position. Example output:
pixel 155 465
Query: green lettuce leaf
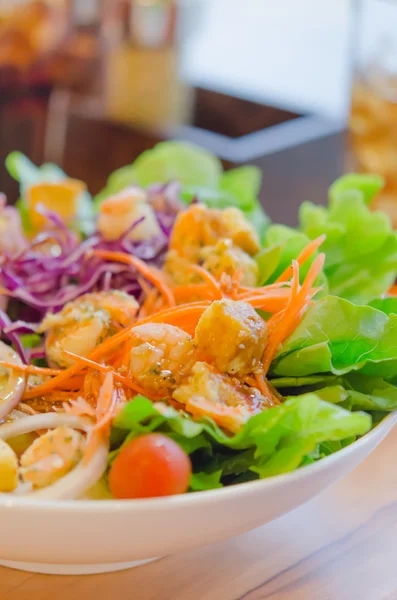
pixel 286 244
pixel 244 184
pixel 309 381
pixel 168 161
pixel 337 336
pixel 205 481
pixel 27 173
pixel 291 243
pixel 369 185
pixel 31 340
pixel 386 305
pixel 209 197
pixel 361 246
pixel 353 391
pixel 267 260
pixel 272 442
pixel 200 175
pixel 308 422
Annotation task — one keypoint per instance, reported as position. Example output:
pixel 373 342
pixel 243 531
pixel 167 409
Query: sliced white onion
pixel 11 394
pixel 28 424
pixel 76 482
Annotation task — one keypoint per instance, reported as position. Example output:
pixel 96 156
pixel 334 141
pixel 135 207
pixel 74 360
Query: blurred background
pixel 304 89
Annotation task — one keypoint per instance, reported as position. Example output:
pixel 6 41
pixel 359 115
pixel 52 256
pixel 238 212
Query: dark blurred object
pixel 234 117
pixel 22 127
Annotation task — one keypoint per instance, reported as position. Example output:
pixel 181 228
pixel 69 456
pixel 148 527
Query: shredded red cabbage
pixel 56 267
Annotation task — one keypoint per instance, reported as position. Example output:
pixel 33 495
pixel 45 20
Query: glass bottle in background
pixel 78 64
pixel 373 119
pixel 143 86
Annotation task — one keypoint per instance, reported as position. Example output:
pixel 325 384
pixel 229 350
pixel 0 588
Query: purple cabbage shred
pixel 56 267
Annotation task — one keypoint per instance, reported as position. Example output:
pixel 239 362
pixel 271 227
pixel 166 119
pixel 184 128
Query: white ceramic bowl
pixel 76 537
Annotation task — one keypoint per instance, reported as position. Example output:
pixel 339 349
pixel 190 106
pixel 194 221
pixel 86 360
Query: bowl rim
pixel 193 498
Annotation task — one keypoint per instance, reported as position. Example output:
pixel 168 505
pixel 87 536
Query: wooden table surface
pixel 340 546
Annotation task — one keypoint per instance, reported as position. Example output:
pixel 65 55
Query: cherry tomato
pixel 149 466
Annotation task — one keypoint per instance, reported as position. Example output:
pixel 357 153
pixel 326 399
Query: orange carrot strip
pixel 105 396
pixel 208 278
pixel 106 369
pixel 312 275
pixel 171 316
pixel 393 291
pixel 303 257
pixel 185 316
pixel 281 286
pixel 295 281
pixel 106 405
pixel 249 380
pixel 148 304
pixel 65 375
pixel 283 324
pixel 88 362
pixel 271 305
pixel 183 293
pixel 263 387
pixel 149 272
pixel 187 322
pixel 31 369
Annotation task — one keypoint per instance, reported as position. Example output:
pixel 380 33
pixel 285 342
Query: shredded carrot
pixel 149 273
pixel 105 397
pixel 87 362
pixel 263 387
pixel 185 292
pixel 284 323
pixel 237 277
pixel 65 375
pixel 106 405
pixel 148 305
pixel 266 289
pixel 285 300
pixel 59 396
pixel 106 369
pixel 306 253
pixel 271 305
pixel 393 291
pixel 30 369
pixel 208 278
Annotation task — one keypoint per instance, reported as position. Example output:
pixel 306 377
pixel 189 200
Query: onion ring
pixel 78 480
pixel 12 392
pixel 29 424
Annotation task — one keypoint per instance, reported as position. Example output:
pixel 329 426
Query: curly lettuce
pixel 200 175
pixel 273 442
pixel 360 246
pixel 336 336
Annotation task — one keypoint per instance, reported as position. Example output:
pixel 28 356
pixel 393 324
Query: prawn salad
pixel 165 338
